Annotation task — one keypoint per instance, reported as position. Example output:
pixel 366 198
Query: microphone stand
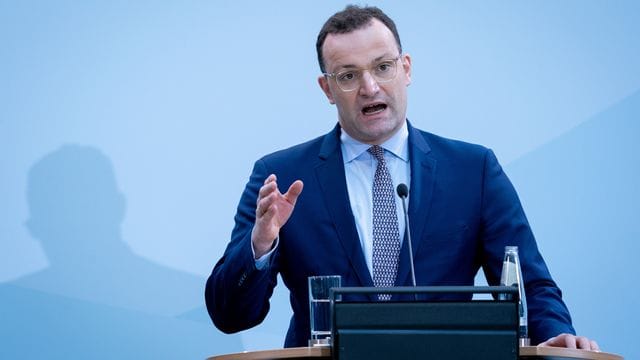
pixel 403 192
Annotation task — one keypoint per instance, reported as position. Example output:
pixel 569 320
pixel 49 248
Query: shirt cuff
pixel 263 261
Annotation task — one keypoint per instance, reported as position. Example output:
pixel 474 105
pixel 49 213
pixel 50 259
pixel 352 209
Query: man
pixel 463 209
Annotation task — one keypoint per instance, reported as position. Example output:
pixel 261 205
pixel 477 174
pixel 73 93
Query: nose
pixel 368 85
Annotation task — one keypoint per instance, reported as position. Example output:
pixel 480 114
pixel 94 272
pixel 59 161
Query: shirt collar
pixel 396 145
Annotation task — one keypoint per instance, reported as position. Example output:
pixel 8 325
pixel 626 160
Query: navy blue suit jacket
pixel 463 211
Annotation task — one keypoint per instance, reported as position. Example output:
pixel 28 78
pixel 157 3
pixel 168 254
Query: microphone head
pixel 403 190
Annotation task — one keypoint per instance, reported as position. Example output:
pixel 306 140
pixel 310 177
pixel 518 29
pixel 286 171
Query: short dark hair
pixel 352 18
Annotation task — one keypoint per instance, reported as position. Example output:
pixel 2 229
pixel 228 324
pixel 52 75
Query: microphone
pixel 403 192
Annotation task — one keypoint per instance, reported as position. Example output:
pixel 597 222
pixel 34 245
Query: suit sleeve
pixel 237 293
pixel 504 223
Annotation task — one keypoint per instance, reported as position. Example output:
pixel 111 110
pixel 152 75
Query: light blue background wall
pixel 128 131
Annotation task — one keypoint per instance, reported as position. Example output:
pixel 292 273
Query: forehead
pixel 359 47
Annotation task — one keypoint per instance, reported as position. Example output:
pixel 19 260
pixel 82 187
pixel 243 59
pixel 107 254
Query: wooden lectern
pixel 324 353
pixel 418 329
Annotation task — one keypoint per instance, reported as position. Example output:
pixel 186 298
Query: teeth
pixel 374 109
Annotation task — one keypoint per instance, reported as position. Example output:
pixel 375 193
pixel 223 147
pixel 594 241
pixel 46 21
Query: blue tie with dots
pixel 386 234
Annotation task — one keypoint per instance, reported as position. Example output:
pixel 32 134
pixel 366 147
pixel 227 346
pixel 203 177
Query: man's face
pixel 374 111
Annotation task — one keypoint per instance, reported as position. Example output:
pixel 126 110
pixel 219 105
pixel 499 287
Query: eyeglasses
pixel 382 72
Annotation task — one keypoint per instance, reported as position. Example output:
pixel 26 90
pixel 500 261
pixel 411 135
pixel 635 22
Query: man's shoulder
pixel 305 151
pixel 443 146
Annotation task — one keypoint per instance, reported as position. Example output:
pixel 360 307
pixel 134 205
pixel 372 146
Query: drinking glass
pixel 320 308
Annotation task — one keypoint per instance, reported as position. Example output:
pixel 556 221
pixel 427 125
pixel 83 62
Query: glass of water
pixel 320 308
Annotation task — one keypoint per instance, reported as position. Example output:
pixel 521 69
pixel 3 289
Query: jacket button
pixel 242 279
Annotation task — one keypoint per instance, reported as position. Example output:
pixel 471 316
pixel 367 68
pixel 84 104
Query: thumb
pixel 294 191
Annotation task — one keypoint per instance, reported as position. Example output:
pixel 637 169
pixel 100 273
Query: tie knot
pixel 377 151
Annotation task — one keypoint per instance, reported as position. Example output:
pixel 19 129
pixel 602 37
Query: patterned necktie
pixel 386 235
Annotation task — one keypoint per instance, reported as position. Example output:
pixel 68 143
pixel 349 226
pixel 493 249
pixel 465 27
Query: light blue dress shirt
pixel 360 168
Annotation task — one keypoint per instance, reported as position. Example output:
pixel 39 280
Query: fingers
pixel 266 195
pixel 270 178
pixel 558 341
pixel 586 344
pixel 294 191
pixel 268 187
pixel 548 342
pixel 570 341
pixel 269 195
pixel 583 343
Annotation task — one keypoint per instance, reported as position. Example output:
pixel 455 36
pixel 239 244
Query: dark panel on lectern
pixel 417 330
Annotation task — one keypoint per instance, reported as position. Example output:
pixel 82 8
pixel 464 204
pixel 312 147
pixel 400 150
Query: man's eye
pixel 384 67
pixel 346 76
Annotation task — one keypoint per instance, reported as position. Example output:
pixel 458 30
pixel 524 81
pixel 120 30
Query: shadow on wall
pixel 269 334
pixel 97 299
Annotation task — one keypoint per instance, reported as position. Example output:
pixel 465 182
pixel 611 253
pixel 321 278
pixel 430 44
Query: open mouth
pixel 374 109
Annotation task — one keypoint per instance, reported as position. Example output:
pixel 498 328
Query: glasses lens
pixel 348 80
pixel 382 72
pixel 385 71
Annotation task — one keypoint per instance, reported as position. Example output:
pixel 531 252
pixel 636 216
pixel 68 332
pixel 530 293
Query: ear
pixel 323 81
pixel 406 65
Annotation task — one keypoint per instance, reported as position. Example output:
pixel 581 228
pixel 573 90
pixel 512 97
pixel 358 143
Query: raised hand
pixel 272 212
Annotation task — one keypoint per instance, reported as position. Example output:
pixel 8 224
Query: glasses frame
pixel 334 75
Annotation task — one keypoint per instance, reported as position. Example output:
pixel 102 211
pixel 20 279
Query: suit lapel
pixel 423 170
pixel 331 177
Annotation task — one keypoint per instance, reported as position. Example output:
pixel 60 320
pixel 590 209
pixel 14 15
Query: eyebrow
pixel 351 66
